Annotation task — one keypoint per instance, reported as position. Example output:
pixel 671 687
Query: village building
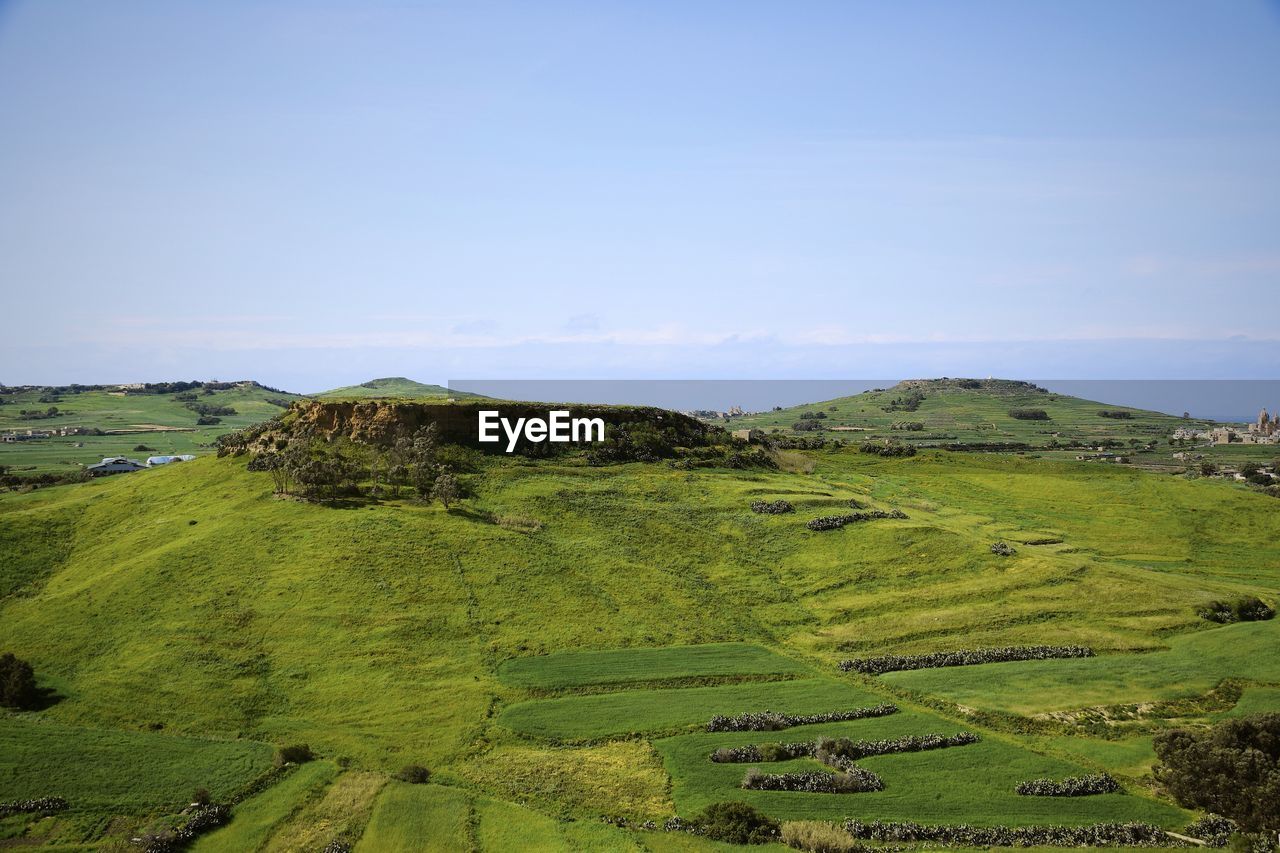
pixel 114 465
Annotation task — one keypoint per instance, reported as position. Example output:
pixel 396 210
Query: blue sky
pixel 316 193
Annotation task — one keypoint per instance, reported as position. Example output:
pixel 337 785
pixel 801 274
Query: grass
pixel 661 711
pixel 418 817
pixel 1193 665
pixel 577 669
pixel 121 771
pixel 973 784
pixel 257 819
pixel 396 633
pixel 951 413
pixel 156 420
pixel 1257 700
pixel 393 387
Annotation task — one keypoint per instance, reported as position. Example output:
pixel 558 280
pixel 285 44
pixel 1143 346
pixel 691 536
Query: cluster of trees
pixel 887 448
pixel 319 470
pixel 807 425
pixel 730 822
pixel 39 414
pixel 1029 414
pixel 1232 769
pixel 1118 414
pixel 908 402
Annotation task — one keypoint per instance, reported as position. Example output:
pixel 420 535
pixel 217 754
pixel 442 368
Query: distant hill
pixel 397 387
pixel 968 411
pixel 115 420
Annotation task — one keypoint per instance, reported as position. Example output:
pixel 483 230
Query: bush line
pixel 1132 834
pixel 768 721
pixel 835 522
pixel 1072 786
pixel 961 657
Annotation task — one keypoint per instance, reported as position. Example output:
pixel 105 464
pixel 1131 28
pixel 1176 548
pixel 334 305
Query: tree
pixel 1232 770
pixel 422 460
pixel 18 684
pixel 445 489
pixel 1208 469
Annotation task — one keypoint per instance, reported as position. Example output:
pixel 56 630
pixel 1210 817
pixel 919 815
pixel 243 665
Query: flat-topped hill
pixel 381 422
pixel 393 387
pixel 950 412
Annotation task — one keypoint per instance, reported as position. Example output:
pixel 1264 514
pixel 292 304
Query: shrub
pixel 298 753
pixel 414 774
pixel 1212 829
pixel 1029 414
pixel 1248 609
pixel 1233 769
pixel 962 657
pixel 887 449
pixel 18 684
pixel 835 522
pixel 772 507
pixel 1072 786
pixel 815 836
pixel 767 721
pixel 735 823
pixel 908 426
pixel 1118 414
pixel 201 797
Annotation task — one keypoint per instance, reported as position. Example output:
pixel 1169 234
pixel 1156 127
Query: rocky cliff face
pixel 380 423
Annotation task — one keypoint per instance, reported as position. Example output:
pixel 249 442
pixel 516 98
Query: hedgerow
pixel 843 750
pixel 834 522
pixel 1072 786
pixel 40 805
pixel 961 657
pixel 855 749
pixel 964 835
pixel 201 819
pixel 768 721
pixel 855 780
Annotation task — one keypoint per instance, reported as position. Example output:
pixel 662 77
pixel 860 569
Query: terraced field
pixel 1193 665
pixel 551 673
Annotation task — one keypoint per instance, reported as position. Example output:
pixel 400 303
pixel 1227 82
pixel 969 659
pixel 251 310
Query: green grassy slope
pixel 951 412
pixel 156 420
pixel 392 387
pixel 398 633
pixel 129 771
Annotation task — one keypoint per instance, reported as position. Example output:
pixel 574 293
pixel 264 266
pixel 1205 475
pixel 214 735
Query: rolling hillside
pixel 552 647
pixel 968 411
pixel 164 420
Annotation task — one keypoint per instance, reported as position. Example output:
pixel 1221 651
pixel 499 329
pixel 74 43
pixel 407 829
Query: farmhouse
pixel 154 461
pixel 114 465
